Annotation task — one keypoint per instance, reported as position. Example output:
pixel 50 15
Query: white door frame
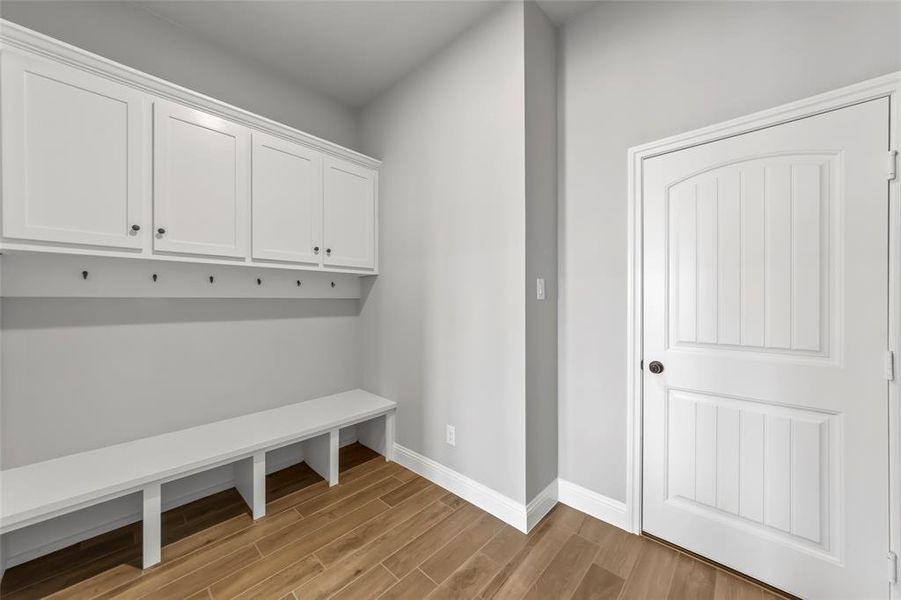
pixel 887 86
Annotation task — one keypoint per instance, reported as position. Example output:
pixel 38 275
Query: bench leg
pixel 389 436
pixel 378 434
pixel 250 479
pixel 321 454
pixel 152 529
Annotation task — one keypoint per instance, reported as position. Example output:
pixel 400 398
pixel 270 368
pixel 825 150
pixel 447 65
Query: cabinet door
pixel 74 155
pixel 201 182
pixel 349 214
pixel 287 201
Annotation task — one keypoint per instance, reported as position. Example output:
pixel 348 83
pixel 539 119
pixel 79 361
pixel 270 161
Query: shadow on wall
pixel 87 312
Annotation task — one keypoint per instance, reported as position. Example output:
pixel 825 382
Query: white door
pixel 287 201
pixel 201 182
pixel 73 155
pixel 765 300
pixel 349 214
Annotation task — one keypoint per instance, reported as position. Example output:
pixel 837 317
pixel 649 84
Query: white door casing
pixel 73 155
pixel 349 214
pixel 286 201
pixel 201 182
pixel 766 299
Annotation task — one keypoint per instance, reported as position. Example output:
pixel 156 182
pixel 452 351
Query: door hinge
pixel 892 567
pixel 892 165
pixel 890 365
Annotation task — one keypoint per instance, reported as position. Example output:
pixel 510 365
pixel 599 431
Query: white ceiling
pixel 350 50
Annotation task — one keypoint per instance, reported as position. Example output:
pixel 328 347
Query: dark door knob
pixel 656 367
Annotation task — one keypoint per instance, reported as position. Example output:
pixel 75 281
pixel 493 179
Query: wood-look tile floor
pixel 383 533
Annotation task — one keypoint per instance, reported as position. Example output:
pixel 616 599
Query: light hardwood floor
pixel 383 533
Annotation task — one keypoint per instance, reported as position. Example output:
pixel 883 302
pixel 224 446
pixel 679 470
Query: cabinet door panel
pixel 287 201
pixel 201 165
pixel 74 155
pixel 349 214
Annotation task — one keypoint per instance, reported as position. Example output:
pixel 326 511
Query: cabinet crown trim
pixel 16 36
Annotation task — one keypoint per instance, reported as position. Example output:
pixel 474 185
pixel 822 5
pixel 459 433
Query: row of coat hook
pixel 85 274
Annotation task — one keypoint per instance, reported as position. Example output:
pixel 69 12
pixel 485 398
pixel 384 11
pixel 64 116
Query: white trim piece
pixel 887 86
pixel 504 508
pixel 16 36
pixel 48 275
pixel 593 504
pixel 541 505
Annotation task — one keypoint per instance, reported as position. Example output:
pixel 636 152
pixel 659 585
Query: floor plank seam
pixel 426 575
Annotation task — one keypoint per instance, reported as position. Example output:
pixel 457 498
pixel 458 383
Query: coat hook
pixel 154 277
pixel 333 284
pixel 211 279
pixel 84 274
pixel 298 283
pixel 259 281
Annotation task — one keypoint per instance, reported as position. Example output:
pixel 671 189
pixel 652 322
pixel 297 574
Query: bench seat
pixel 41 491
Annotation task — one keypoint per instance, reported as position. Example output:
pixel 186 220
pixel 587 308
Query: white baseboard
pixel 541 505
pixel 504 508
pixel 591 503
pixel 522 517
pixel 45 537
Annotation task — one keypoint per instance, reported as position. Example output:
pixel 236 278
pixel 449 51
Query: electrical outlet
pixel 451 435
pixel 539 289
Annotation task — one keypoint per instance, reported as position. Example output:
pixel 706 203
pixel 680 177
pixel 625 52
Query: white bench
pixel 41 491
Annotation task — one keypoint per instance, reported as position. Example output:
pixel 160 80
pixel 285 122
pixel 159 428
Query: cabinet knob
pixel 315 249
pixel 136 228
pixel 161 231
pixel 328 251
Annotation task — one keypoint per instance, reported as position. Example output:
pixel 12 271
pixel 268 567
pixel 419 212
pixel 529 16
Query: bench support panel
pixel 250 480
pixel 378 434
pixel 321 454
pixel 152 529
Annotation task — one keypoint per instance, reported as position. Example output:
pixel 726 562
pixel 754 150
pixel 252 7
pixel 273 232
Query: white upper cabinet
pixel 349 209
pixel 100 159
pixel 286 201
pixel 201 183
pixel 74 162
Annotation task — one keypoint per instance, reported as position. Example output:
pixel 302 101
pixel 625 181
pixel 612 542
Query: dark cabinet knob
pixel 161 231
pixel 315 249
pixel 136 228
pixel 328 251
pixel 656 367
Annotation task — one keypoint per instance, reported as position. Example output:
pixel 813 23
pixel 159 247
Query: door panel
pixel 349 214
pixel 766 267
pixel 201 174
pixel 750 249
pixel 287 201
pixel 73 155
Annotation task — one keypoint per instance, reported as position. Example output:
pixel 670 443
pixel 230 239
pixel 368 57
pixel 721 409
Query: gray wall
pixel 125 33
pixel 443 324
pixel 633 72
pixel 78 374
pixel 541 249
